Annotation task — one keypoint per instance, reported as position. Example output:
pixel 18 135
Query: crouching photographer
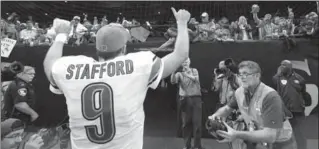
pixel 266 120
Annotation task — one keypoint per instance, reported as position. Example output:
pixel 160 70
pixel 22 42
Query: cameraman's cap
pixel 111 38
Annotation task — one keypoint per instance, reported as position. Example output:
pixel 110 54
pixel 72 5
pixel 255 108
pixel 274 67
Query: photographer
pixel 190 104
pixel 28 35
pixel 262 110
pixel 225 81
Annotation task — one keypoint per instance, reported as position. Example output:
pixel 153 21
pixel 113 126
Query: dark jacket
pixel 292 90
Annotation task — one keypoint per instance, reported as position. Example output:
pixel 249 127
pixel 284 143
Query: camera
pixel 220 72
pixel 179 69
pixel 9 72
pixel 231 68
pixel 15 67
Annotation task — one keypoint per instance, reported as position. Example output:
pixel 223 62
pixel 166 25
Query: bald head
pixel 286 63
pixel 286 67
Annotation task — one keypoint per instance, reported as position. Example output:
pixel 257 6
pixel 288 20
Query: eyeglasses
pixel 245 75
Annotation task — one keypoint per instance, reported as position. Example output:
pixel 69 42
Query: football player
pixel 105 97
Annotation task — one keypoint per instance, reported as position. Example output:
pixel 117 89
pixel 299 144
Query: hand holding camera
pixel 229 69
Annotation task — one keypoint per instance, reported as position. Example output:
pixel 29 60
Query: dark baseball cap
pixel 111 38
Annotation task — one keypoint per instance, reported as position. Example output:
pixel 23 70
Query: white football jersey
pixel 105 99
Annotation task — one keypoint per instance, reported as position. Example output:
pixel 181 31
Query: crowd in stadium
pixel 207 29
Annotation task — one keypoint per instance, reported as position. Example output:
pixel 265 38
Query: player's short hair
pixel 251 65
pixel 109 55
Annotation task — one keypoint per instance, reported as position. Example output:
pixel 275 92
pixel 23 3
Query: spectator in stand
pixel 41 38
pixel 290 22
pixel 206 28
pixel 11 30
pixel 29 34
pixel 243 30
pixel 285 27
pixel 222 32
pixel 104 21
pixel 193 29
pixel 3 25
pixel 96 25
pixel 308 26
pixel 77 31
pixel 85 39
pixel 312 23
pixel 36 25
pixel 266 27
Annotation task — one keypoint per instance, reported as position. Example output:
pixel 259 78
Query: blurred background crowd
pixel 208 25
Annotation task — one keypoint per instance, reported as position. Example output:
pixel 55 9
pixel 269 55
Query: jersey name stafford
pixel 111 69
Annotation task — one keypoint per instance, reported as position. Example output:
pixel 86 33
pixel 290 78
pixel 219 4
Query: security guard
pixel 19 98
pixel 292 89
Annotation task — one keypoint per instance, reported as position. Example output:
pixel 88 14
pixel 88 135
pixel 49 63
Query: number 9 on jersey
pixel 104 111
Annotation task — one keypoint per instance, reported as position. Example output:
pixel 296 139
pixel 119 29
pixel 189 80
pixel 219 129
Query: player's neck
pixel 101 59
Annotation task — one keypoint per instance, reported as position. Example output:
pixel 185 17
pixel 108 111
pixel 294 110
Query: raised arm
pixel 174 60
pixel 62 29
pixel 255 10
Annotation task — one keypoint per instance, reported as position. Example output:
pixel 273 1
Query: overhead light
pixel 7 13
pixel 45 14
pixel 159 12
pixel 120 13
pixel 65 1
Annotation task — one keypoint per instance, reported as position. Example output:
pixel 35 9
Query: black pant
pixel 191 112
pixel 296 124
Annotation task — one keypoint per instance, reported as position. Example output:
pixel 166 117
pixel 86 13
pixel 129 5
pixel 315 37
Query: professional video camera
pixel 231 68
pixel 10 71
